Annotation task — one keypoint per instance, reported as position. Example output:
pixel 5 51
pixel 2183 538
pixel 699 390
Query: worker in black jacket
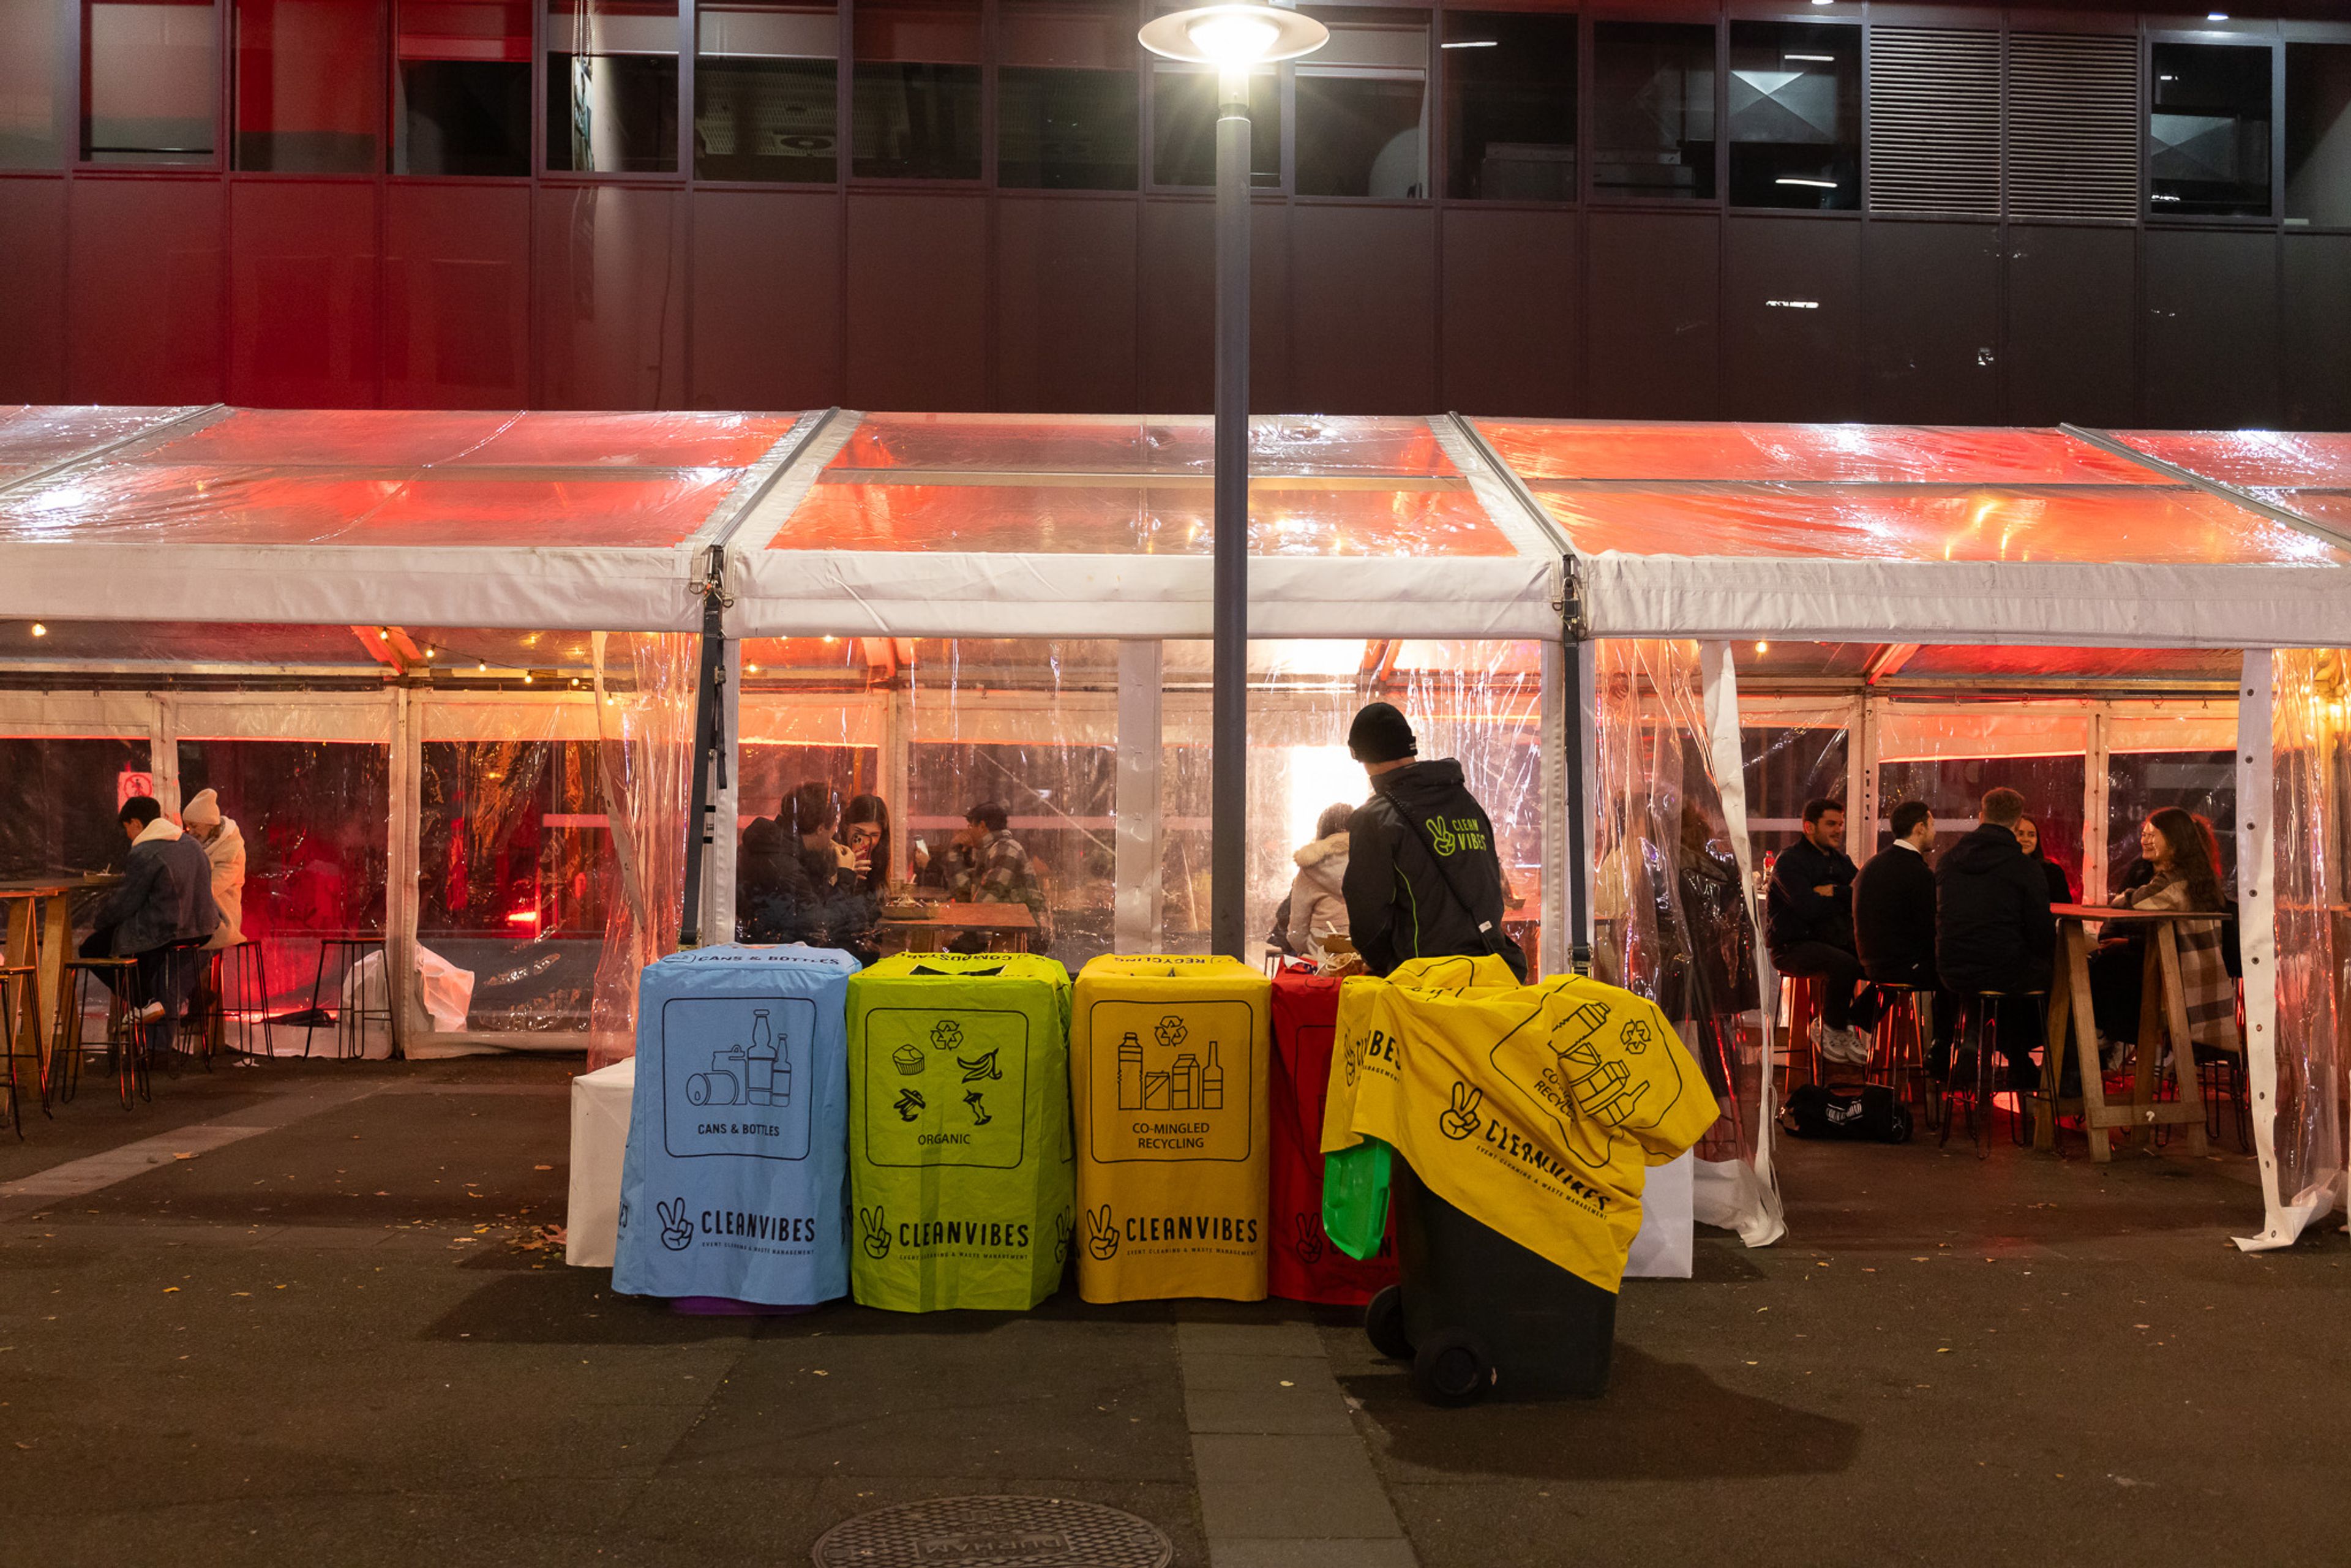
pixel 1893 912
pixel 1422 880
pixel 1993 933
pixel 1808 920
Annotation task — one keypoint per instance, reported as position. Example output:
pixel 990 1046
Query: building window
pixel 461 94
pixel 2209 132
pixel 1184 126
pixel 917 102
pixel 28 85
pixel 1362 108
pixel 1653 109
pixel 151 74
pixel 2318 135
pixel 1065 97
pixel 767 92
pixel 310 86
pixel 1795 116
pixel 1510 106
pixel 612 87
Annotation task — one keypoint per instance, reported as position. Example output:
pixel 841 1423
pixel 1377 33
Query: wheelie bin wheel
pixel 1450 1369
pixel 1383 1323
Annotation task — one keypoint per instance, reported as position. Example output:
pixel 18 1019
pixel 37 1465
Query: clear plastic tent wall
pixel 644 761
pixel 2312 765
pixel 1673 914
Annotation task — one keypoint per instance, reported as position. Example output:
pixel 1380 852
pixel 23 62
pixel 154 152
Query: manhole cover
pixel 994 1532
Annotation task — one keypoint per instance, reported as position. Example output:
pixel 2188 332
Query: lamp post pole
pixel 1228 718
pixel 1233 36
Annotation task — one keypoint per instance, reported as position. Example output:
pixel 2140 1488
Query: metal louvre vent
pixel 2073 126
pixel 1934 122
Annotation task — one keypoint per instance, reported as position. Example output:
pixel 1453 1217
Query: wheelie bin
pixel 1168 1070
pixel 1521 1124
pixel 959 1158
pixel 1303 1263
pixel 733 1186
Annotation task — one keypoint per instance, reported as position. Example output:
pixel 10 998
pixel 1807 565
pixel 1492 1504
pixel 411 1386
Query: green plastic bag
pixel 960 1175
pixel 1355 1198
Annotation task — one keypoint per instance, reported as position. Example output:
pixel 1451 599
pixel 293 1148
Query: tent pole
pixel 1229 725
pixel 709 743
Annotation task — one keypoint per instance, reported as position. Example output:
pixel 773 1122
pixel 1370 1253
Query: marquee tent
pixel 935 608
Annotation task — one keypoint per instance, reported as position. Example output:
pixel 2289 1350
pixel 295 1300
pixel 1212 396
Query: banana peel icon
pixel 981 1069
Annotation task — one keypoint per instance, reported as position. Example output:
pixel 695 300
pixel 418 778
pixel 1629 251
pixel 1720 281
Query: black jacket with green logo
pixel 1401 903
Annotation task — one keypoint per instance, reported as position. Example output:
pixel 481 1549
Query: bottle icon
pixel 759 1062
pixel 1212 1083
pixel 1130 1073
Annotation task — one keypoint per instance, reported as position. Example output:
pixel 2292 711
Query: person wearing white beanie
pixel 224 847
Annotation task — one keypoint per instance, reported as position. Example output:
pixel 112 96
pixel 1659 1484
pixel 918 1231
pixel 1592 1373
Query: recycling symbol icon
pixel 947 1034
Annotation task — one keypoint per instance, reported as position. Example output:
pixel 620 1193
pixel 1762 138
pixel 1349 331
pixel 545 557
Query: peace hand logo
pixel 1459 1120
pixel 876 1225
pixel 1310 1236
pixel 675 1233
pixel 1061 1238
pixel 1101 1234
pixel 1440 834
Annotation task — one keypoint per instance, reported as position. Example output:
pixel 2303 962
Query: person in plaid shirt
pixel 989 865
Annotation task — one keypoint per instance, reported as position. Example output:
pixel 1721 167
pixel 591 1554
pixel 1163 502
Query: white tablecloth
pixel 600 1137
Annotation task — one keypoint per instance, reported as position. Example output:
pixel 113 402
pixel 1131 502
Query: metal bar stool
pixel 1799 1000
pixel 1898 1056
pixel 204 1018
pixel 21 1041
pixel 2220 1079
pixel 126 1033
pixel 350 1023
pixel 252 974
pixel 1978 1030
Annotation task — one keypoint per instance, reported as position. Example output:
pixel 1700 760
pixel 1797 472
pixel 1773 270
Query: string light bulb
pixel 39 629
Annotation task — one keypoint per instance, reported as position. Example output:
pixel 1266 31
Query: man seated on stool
pixel 164 900
pixel 1992 928
pixel 1893 912
pixel 1809 920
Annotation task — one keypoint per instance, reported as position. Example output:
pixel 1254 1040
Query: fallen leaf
pixel 173 1290
pixel 542 1167
pixel 822 1373
pixel 191 1155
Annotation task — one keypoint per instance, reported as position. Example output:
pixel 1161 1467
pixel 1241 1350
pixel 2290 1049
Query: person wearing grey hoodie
pixel 223 846
pixel 1318 900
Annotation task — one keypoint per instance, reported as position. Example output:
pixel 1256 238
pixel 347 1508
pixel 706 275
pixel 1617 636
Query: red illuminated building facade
pixel 1969 214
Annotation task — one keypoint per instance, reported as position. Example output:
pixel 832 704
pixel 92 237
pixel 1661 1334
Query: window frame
pixel 542 75
pixel 1440 155
pixel 1860 28
pixel 80 162
pixel 1717 19
pixel 2336 35
pixel 2244 36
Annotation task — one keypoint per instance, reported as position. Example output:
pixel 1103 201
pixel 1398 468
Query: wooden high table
pixel 2162 1013
pixel 40 932
pixel 1009 924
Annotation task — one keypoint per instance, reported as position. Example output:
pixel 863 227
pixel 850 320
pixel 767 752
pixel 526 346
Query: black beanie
pixel 1381 735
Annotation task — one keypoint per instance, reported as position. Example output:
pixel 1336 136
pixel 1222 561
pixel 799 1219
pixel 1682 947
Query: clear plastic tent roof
pixel 1009 525
pixel 2307 474
pixel 1922 534
pixel 490 517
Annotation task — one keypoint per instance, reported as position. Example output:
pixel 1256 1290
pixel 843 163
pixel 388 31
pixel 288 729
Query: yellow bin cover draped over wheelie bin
pixel 1167 1062
pixel 1536 1110
pixel 959 1131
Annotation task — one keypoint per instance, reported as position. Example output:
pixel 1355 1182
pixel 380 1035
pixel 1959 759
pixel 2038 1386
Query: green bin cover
pixel 960 1146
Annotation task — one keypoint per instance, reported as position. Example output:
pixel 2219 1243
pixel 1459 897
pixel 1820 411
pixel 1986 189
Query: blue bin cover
pixel 735 1183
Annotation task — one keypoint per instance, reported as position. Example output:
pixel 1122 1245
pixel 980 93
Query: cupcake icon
pixel 909 1061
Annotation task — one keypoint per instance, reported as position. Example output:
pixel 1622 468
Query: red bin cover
pixel 1302 1264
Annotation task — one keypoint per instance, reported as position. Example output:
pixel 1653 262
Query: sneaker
pixel 150 1012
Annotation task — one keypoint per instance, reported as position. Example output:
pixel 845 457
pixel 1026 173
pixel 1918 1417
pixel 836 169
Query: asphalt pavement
pixel 317 1312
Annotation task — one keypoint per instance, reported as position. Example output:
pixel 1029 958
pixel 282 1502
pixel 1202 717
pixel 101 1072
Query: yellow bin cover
pixel 1167 1068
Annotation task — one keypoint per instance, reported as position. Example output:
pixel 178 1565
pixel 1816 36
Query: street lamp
pixel 1234 39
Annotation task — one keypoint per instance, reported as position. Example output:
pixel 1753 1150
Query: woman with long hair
pixel 2186 856
pixel 865 831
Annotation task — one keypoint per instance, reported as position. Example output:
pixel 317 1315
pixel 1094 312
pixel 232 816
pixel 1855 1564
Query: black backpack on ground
pixel 1869 1114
